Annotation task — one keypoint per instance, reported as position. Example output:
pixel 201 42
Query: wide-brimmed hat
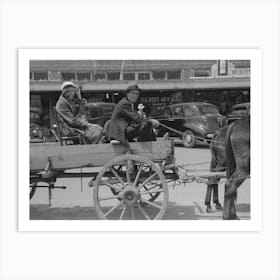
pixel 68 83
pixel 133 87
pixel 140 106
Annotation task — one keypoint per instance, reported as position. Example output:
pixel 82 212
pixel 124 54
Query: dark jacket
pixel 123 116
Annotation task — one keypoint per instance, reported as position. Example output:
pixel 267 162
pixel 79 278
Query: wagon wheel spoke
pixel 113 209
pixel 138 174
pixel 109 197
pixel 132 213
pixel 146 181
pixel 152 191
pixel 154 186
pixel 122 213
pixel 146 190
pixel 117 176
pixel 151 203
pixel 128 168
pixel 115 187
pixel 143 212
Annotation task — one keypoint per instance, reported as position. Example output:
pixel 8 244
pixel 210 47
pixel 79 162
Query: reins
pixel 195 137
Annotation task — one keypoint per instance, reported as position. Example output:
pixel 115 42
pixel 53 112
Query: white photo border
pixel 24 57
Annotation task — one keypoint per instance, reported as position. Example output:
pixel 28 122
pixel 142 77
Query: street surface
pixel 186 202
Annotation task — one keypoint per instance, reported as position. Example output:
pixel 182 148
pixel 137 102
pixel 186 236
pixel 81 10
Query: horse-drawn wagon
pixel 124 183
pixel 127 181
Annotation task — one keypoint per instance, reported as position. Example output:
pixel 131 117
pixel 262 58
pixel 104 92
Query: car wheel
pixel 188 139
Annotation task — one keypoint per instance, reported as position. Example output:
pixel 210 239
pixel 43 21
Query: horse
pixel 237 152
pixel 218 164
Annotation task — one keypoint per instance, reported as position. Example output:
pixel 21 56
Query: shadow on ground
pixel 174 212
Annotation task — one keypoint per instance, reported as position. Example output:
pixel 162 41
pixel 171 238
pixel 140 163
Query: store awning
pixel 111 86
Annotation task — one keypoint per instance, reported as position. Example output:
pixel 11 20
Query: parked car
pixel 194 119
pixel 99 112
pixel 39 130
pixel 238 111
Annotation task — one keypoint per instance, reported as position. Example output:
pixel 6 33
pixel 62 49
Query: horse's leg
pixel 216 196
pixel 208 198
pixel 227 203
pixel 229 207
pixel 233 215
pixel 237 178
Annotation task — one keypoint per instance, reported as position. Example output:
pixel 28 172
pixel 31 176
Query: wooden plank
pixel 75 156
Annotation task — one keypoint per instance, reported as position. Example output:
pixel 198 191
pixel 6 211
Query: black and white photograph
pixel 158 134
pixel 140 139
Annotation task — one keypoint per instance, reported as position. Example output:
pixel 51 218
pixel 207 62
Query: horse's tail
pixel 230 159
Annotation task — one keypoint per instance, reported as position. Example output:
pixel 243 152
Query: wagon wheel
pixel 147 187
pixel 33 187
pixel 132 189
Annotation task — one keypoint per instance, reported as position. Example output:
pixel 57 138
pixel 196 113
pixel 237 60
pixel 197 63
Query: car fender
pixel 197 128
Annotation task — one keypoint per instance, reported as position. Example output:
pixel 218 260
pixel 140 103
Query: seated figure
pixel 126 124
pixel 70 107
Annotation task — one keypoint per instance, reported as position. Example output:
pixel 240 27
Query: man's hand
pixel 155 123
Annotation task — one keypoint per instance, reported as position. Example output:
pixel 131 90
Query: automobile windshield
pixel 208 109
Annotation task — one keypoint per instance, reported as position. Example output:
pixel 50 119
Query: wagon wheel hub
pixel 130 196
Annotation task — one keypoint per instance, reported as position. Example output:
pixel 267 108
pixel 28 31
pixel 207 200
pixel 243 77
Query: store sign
pixel 240 72
pixel 53 76
pixel 225 69
pixel 156 104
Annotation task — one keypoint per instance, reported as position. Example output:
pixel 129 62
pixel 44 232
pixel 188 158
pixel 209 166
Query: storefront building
pixel 163 82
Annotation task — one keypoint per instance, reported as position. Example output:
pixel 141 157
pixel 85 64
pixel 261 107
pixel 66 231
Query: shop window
pixel 83 76
pixel 100 77
pixel 112 76
pixel 201 73
pixel 144 76
pixel 68 76
pixel 129 76
pixel 159 75
pixel 174 75
pixel 40 76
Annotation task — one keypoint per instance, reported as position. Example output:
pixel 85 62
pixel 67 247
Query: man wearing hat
pixel 126 124
pixel 70 107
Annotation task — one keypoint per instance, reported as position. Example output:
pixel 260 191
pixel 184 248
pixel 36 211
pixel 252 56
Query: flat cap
pixel 133 87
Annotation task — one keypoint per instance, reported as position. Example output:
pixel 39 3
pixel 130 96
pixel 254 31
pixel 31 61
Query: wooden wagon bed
pixel 76 156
